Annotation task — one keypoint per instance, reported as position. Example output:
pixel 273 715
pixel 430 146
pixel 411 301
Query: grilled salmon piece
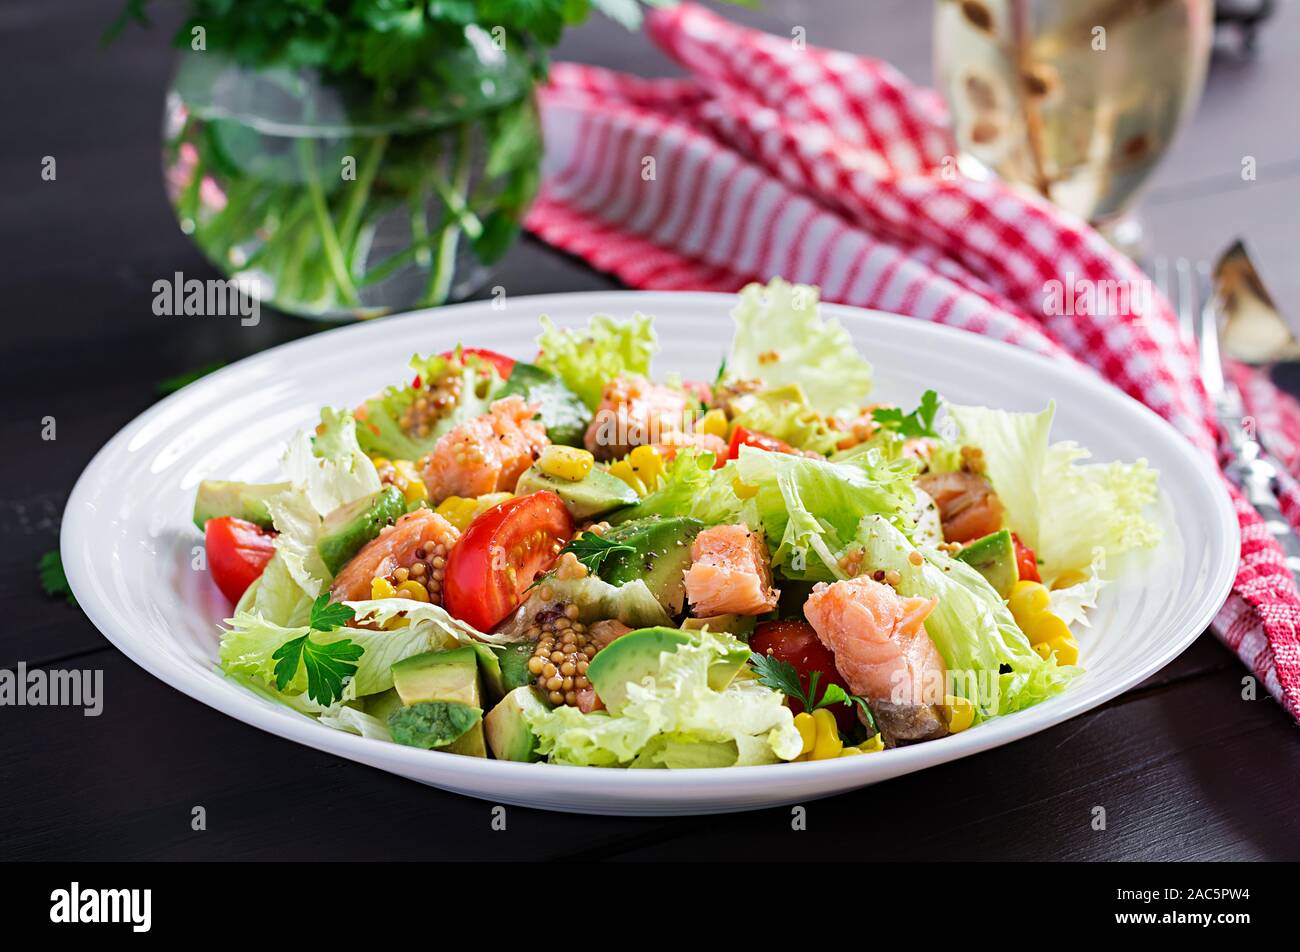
pixel 968 507
pixel 635 412
pixel 729 573
pixel 882 649
pixel 487 454
pixel 421 536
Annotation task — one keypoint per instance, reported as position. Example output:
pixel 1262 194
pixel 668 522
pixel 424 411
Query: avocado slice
pixel 514 665
pixel 561 410
pixel 349 527
pixel 489 668
pixel 451 677
pixel 434 724
pixel 630 658
pixel 219 497
pixel 994 557
pixel 506 727
pixel 596 494
pixel 660 556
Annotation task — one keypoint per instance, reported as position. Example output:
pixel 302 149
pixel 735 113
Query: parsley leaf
pixel 592 550
pixel 782 676
pixel 327 666
pixel 326 616
pixel 53 580
pixel 920 422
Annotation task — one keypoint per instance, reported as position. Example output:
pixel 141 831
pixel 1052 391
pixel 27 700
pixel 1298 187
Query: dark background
pixel 1184 767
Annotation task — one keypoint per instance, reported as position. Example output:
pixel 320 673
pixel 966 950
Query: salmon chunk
pixel 729 573
pixel 487 454
pixel 418 542
pixel 882 650
pixel 968 507
pixel 635 412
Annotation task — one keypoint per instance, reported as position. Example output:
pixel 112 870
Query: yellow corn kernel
pixel 872 745
pixel 647 465
pixel 623 470
pixel 850 752
pixel 382 588
pixel 413 589
pixel 828 743
pixel 807 729
pixel 1044 650
pixel 713 423
pixel 1045 627
pixel 958 712
pixel 1066 648
pixel 1068 579
pixel 1027 600
pixel 458 510
pixel 565 462
pixel 379 461
pixel 743 491
pixel 410 481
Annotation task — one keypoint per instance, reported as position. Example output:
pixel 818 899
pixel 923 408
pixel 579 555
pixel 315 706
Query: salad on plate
pixel 570 561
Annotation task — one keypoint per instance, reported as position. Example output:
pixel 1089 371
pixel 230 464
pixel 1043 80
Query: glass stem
pixel 329 238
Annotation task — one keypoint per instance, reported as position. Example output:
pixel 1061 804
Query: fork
pixel 1191 291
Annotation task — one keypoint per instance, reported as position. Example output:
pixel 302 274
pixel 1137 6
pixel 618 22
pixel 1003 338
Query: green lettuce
pixel 971 626
pixel 668 713
pixel 785 414
pixel 690 487
pixel 587 360
pixel 782 339
pixel 381 433
pixel 1069 512
pixel 810 509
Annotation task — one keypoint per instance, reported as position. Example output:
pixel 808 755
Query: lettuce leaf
pixel 673 711
pixel 785 414
pixel 971 626
pixel 587 360
pixel 810 509
pixel 631 603
pixel 1067 511
pixel 690 487
pixel 781 339
pixel 381 432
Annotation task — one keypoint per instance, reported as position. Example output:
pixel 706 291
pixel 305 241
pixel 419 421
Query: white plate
pixel 128 542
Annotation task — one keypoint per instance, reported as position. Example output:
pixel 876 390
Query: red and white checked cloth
pixel 834 170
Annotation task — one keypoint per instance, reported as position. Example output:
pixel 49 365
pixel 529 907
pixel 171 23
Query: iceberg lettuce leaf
pixel 587 360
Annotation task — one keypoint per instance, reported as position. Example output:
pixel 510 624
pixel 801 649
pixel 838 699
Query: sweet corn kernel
pixel 413 589
pixel 958 712
pixel 382 588
pixel 1066 648
pixel 457 510
pixel 1028 599
pixel 850 752
pixel 828 743
pixel 565 462
pixel 412 483
pixel 872 745
pixel 1044 650
pixel 647 465
pixel 743 491
pixel 713 423
pixel 1045 627
pixel 807 728
pixel 1068 579
pixel 623 470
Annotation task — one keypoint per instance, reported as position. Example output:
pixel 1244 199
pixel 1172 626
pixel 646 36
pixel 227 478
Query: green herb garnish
pixel 329 664
pixel 781 676
pixel 53 579
pixel 918 423
pixel 327 615
pixel 592 550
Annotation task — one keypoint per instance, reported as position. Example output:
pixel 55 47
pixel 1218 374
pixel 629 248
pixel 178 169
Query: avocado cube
pixel 506 727
pixel 994 557
pixel 435 724
pixel 660 555
pixel 219 497
pixel 596 494
pixel 514 665
pixel 450 677
pixel 349 527
pixel 632 657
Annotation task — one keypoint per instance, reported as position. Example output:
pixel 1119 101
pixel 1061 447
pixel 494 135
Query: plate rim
pixel 304 730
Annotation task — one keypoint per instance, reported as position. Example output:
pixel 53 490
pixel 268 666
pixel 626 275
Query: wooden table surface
pixel 1184 767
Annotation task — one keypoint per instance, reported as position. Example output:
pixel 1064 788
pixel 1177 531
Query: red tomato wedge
pixel 743 436
pixel 501 362
pixel 1026 561
pixel 237 553
pixel 796 643
pixel 501 553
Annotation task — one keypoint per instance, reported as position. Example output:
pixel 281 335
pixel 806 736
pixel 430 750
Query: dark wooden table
pixel 1184 767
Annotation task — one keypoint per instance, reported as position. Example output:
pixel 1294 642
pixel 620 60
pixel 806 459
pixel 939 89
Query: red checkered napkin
pixel 833 170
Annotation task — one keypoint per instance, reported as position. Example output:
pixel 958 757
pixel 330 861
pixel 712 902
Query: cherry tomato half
pixel 501 553
pixel 796 643
pixel 743 436
pixel 1026 561
pixel 237 553
pixel 501 362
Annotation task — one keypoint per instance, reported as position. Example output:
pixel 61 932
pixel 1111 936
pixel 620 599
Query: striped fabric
pixel 833 170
